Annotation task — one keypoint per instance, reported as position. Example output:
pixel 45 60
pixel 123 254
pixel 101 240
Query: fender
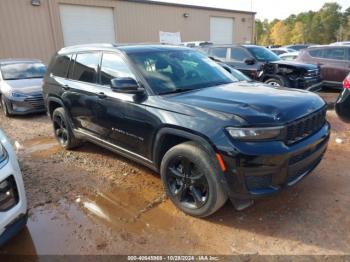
pixel 158 141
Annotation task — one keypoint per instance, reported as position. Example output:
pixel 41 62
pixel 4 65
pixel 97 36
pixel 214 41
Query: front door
pixel 125 118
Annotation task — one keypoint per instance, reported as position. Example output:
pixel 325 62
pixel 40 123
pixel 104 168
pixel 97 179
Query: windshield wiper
pixel 178 90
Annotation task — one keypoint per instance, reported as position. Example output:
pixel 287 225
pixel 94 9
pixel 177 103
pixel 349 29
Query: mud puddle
pixel 39 148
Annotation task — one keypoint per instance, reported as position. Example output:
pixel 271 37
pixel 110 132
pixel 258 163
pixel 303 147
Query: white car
pixel 13 202
pixel 289 56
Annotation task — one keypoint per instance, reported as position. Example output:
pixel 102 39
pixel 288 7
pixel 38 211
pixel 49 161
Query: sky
pixel 269 9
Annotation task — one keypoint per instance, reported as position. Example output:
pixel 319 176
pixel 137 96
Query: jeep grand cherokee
pixel 181 114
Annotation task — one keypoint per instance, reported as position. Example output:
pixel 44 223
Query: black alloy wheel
pixel 187 184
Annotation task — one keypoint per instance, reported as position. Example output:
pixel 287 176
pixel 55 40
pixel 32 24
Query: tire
pixel 188 170
pixel 277 81
pixel 63 131
pixel 4 107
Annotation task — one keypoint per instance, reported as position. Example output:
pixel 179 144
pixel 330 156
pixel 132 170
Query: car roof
pixel 127 48
pixel 235 45
pixel 18 60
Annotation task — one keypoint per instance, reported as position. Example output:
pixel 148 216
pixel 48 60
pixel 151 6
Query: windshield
pixel 177 71
pixel 262 54
pixel 16 71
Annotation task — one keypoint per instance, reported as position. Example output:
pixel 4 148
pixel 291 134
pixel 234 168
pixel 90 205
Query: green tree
pixel 298 33
pixel 279 33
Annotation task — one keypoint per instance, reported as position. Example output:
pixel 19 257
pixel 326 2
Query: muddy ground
pixel 91 201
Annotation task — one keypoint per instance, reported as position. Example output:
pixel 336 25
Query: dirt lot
pixel 91 201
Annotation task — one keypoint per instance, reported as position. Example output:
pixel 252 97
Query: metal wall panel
pixel 36 32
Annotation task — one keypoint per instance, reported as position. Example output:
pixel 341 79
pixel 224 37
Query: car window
pixel 238 54
pixel 263 54
pixel 22 70
pixel 60 66
pixel 335 53
pixel 177 71
pixel 113 66
pixel 86 66
pixel 318 53
pixel 219 52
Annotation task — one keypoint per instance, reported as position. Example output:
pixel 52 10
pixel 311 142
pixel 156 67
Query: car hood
pixel 256 103
pixel 26 86
pixel 295 64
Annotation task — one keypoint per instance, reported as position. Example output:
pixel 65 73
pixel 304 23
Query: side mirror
pixel 249 61
pixel 126 85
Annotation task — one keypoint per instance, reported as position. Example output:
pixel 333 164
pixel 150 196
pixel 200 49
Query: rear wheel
pixel 190 177
pixel 63 131
pixel 4 107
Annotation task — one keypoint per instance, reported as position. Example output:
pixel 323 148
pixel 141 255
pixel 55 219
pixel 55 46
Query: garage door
pixel 221 30
pixel 84 25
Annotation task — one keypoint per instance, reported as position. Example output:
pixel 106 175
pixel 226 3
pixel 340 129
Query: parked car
pixel 13 203
pixel 298 47
pixel 21 86
pixel 289 56
pixel 334 62
pixel 282 50
pixel 260 64
pixel 181 114
pixel 342 105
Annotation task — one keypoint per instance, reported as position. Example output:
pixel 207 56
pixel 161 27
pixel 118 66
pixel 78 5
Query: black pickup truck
pixel 262 65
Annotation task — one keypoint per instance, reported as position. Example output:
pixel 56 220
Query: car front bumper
pixel 260 169
pixel 12 216
pixel 23 106
pixel 342 106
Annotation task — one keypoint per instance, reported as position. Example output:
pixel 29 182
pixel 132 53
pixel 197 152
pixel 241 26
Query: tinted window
pixel 335 53
pixel 113 66
pixel 219 52
pixel 60 66
pixel 85 67
pixel 316 53
pixel 238 54
pixel 24 70
pixel 263 54
pixel 178 70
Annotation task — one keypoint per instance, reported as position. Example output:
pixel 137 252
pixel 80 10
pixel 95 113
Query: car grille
pixel 313 73
pixel 306 126
pixel 36 101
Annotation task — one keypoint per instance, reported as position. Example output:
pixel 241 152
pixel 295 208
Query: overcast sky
pixel 269 9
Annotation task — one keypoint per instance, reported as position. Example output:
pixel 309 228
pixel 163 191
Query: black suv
pixel 181 114
pixel 261 64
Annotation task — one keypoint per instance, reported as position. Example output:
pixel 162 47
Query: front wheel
pixel 63 131
pixel 191 178
pixel 275 81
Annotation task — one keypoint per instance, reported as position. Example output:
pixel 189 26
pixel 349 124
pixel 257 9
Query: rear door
pixel 220 53
pixel 82 92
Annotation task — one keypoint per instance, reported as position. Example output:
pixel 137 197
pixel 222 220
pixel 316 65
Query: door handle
pixel 66 87
pixel 101 95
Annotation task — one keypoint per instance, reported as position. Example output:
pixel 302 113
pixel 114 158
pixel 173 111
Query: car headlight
pixel 18 95
pixel 248 134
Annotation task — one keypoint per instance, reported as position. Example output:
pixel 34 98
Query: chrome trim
pixel 117 148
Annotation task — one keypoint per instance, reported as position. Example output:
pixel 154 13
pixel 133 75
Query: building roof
pixel 128 48
pixel 189 6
